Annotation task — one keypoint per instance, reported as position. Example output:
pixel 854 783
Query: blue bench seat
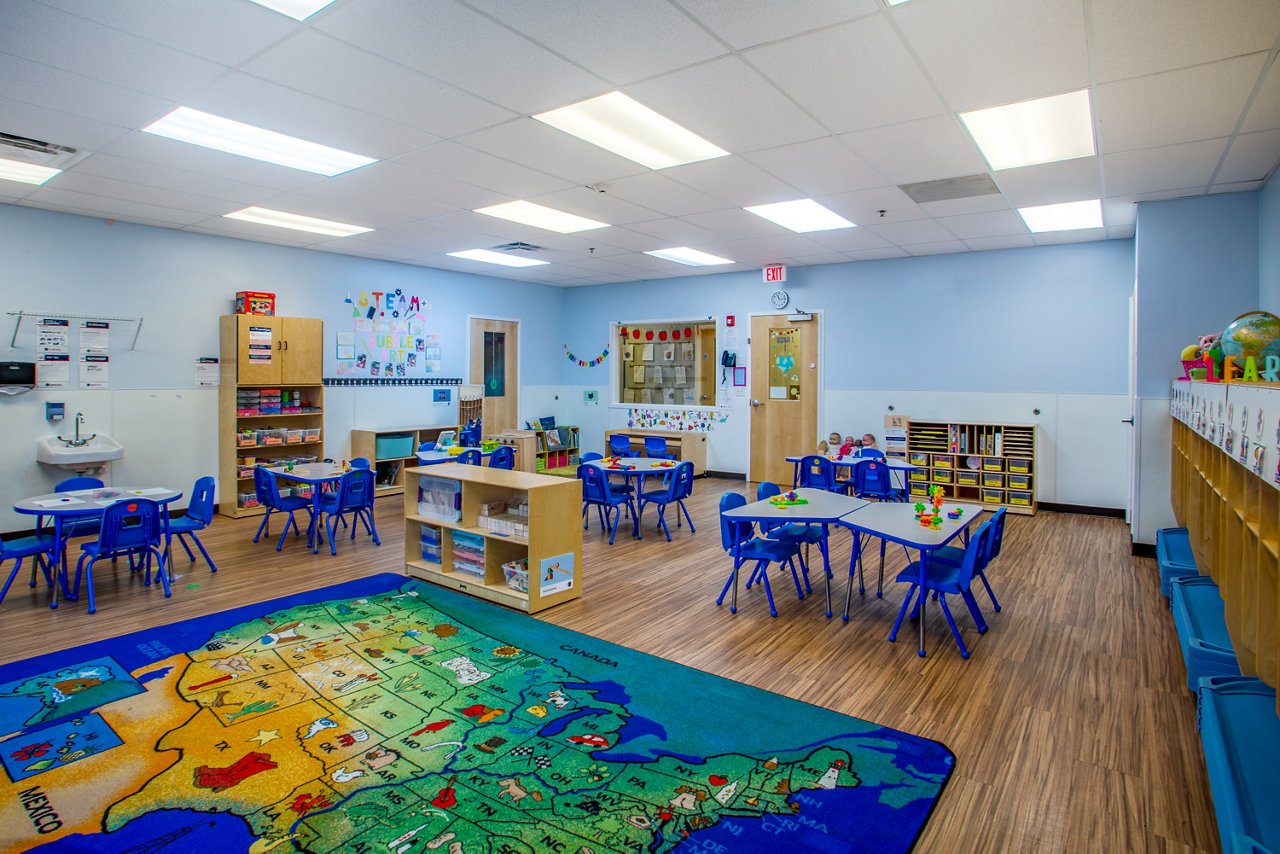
pixel 1202 629
pixel 1241 735
pixel 1173 552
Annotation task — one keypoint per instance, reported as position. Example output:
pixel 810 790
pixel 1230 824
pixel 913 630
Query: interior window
pixel 667 364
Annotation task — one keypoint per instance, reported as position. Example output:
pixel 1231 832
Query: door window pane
pixel 495 364
pixel 784 367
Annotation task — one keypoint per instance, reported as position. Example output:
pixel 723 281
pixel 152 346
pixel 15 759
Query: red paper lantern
pixel 662 336
pixel 688 332
pixel 648 336
pixel 635 333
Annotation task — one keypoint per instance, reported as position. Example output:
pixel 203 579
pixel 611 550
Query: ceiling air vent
pixel 945 189
pixel 518 246
pixel 38 151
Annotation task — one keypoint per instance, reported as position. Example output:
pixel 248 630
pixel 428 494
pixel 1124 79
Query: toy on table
pixel 933 519
pixel 787 499
pixel 665 464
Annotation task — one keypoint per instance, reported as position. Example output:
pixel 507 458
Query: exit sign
pixel 775 273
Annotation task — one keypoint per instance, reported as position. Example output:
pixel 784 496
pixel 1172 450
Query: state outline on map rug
pixel 391 715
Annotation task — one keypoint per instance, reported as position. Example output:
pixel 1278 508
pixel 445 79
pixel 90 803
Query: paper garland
pixel 585 363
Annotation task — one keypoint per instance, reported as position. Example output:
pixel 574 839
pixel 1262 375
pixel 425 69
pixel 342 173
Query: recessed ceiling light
pixel 1067 216
pixel 188 125
pixel 1041 131
pixel 299 10
pixel 801 215
pixel 497 258
pixel 540 216
pixel 886 2
pixel 628 128
pixel 27 173
pixel 297 222
pixel 692 257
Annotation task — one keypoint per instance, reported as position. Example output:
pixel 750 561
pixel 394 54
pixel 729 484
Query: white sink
pixel 96 452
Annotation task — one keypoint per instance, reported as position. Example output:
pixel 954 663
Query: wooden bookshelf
pixel 553 523
pixel 691 446
pixel 557 448
pixel 989 464
pixel 388 470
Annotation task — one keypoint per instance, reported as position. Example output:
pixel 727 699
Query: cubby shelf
pixel 989 464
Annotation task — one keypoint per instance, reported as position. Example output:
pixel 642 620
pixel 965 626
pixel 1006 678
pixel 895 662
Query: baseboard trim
pixel 727 475
pixel 1142 550
pixel 1083 510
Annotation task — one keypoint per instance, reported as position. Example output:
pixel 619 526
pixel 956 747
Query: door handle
pixel 755 402
pixel 1128 421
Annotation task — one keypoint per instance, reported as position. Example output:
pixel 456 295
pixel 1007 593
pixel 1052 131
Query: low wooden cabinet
pixel 388 469
pixel 465 526
pixel 691 446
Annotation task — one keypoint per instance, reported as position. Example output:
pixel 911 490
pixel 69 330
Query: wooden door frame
pixel 818 314
pixel 519 353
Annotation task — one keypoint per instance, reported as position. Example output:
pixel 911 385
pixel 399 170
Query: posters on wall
pixel 388 337
pixel 679 419
pixel 95 336
pixel 53 367
pixel 94 368
pixel 260 345
pixel 207 371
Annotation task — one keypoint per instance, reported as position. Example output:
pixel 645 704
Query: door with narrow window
pixel 784 394
pixel 495 348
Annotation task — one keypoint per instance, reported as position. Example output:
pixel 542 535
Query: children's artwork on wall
pixel 388 337
pixel 588 363
pixel 675 419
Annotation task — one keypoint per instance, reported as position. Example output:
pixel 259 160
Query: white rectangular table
pixel 823 508
pixel 896 523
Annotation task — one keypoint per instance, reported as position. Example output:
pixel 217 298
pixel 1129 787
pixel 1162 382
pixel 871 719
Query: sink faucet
pixel 77 442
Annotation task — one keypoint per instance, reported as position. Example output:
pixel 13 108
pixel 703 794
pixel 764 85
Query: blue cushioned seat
pixel 1241 735
pixel 1202 629
pixel 1173 552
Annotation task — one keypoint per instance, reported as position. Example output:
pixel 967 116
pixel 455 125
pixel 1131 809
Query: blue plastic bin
pixel 1202 629
pixel 1173 552
pixel 1241 735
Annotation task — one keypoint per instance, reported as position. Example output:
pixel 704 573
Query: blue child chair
pixel 951 554
pixel 620 445
pixel 83 524
pixel 800 534
pixel 656 448
pixel 816 472
pixel 470 457
pixel 675 490
pixel 130 528
pixel 872 478
pixel 943 578
pixel 354 495
pixel 737 537
pixel 268 491
pixel 503 457
pixel 361 463
pixel 198 517
pixel 41 547
pixel 596 493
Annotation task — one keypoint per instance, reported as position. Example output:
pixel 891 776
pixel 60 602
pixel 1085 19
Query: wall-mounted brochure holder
pixel 17 377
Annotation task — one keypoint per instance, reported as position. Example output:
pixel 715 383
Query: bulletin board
pixel 660 367
pixel 388 337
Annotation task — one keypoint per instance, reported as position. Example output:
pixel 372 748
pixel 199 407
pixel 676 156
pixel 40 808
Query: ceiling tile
pixel 226 33
pixel 723 101
pixel 392 178
pixel 460 46
pixel 620 40
pixel 818 166
pixel 624 239
pixel 49 36
pixel 848 239
pixel 971 204
pixel 171 178
pixel 878 254
pixel 850 77
pixel 1008 241
pixel 875 206
pixel 657 192
pixel 906 233
pixel 734 181
pixel 1177 106
pixel 461 163
pixel 1134 37
pixel 1237 187
pixel 57 127
pixel 256 232
pixel 1050 183
pixel 923 150
pixel 340 204
pixel 267 105
pixel 945 247
pixel 1153 170
pixel 94 214
pixel 1080 235
pixel 1119 211
pixel 1027 50
pixel 1264 112
pixel 112 208
pixel 602 207
pixel 109 188
pixel 735 222
pixel 1252 157
pixel 675 232
pixel 994 224
pixel 322 66
pixel 33 83
pixel 542 147
pixel 822 258
pixel 746 24
pixel 149 148
pixel 493 229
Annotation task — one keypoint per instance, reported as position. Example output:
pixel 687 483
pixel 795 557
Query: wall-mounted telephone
pixel 728 361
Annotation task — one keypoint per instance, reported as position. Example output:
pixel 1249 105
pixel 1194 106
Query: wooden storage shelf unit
pixel 280 356
pixel 553 524
pixel 988 464
pixel 388 470
pixel 689 446
pixel 557 448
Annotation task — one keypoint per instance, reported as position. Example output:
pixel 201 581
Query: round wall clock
pixel 779 299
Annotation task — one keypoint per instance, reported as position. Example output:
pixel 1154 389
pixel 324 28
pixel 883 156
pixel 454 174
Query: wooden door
pixel 258 349
pixel 495 351
pixel 784 394
pixel 302 361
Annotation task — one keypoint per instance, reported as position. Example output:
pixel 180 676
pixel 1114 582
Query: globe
pixel 1256 334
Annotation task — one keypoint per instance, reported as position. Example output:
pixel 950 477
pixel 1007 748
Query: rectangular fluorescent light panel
pixel 187 125
pixel 685 255
pixel 297 222
pixel 1044 130
pixel 894 2
pixel 801 215
pixel 299 10
pixel 540 216
pixel 497 258
pixel 1067 216
pixel 628 128
pixel 27 173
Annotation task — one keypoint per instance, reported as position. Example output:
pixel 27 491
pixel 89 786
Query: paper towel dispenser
pixel 17 377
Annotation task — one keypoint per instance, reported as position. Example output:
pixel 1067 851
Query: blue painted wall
pixel 1049 318
pixel 1197 268
pixel 1269 245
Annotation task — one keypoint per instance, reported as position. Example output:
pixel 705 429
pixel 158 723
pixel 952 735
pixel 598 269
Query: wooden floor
pixel 1071 723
